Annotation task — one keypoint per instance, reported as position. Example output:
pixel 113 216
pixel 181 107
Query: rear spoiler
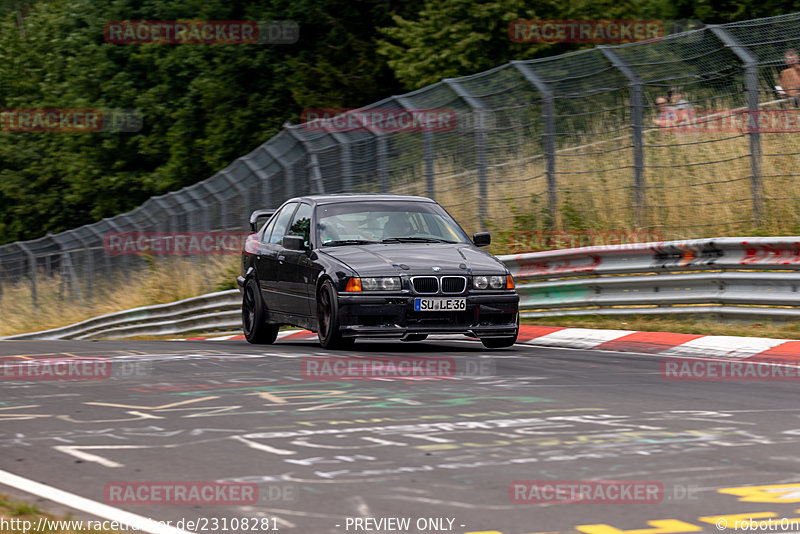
pixel 259 214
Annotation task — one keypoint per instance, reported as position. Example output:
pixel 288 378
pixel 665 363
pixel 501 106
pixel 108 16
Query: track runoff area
pixel 440 436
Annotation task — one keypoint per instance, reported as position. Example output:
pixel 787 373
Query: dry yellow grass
pixel 165 280
pixel 698 185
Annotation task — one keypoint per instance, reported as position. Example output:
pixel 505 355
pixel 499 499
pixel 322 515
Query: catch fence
pixel 569 143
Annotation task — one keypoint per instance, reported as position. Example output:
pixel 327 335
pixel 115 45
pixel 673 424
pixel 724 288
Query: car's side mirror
pixel 293 242
pixel 482 239
pixel 259 214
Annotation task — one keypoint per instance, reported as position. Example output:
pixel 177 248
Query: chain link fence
pixel 566 143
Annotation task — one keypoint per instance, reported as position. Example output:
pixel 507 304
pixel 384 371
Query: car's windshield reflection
pixel 386 222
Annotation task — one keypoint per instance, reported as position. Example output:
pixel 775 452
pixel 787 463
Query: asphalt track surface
pixel 324 452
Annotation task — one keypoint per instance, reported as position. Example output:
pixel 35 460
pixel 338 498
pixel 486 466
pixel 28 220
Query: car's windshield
pixel 386 222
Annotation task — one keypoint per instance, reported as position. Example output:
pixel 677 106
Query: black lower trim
pixel 394 316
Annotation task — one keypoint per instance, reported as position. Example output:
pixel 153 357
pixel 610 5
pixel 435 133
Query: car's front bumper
pixel 486 316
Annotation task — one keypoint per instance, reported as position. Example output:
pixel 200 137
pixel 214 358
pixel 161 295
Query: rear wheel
pixel 330 336
pixel 254 313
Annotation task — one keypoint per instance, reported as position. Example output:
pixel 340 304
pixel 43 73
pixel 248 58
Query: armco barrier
pixel 221 310
pixel 727 276
pixel 737 277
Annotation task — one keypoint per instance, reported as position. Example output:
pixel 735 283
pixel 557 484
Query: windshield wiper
pixel 414 240
pixel 348 242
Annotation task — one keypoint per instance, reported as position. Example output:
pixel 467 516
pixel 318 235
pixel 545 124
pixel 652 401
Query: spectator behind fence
pixel 790 77
pixel 676 99
pixel 667 114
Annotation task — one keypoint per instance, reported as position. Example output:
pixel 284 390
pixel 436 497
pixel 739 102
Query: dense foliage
pixel 205 105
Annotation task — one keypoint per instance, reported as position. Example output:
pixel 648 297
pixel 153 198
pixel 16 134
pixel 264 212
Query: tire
pixel 499 342
pixel 415 337
pixel 254 312
pixel 328 332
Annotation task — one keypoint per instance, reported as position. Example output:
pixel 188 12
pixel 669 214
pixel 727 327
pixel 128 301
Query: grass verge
pixel 13 516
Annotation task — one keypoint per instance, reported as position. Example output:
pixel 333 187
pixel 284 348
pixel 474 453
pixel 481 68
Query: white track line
pixel 71 500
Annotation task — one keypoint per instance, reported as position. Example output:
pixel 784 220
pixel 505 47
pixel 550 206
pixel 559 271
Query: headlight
pixel 389 283
pixel 489 282
pixel 497 282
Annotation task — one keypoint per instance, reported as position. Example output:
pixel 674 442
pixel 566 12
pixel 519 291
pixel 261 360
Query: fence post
pixel 106 256
pixel 427 139
pixel 288 172
pixel 171 225
pixel 637 134
pixel 126 267
pixel 88 268
pixel 242 193
pixel 751 87
pixel 194 195
pixel 314 175
pixel 382 153
pixel 549 114
pixel 31 271
pixel 263 178
pixel 481 144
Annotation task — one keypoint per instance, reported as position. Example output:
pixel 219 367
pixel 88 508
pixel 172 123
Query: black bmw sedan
pixel 372 266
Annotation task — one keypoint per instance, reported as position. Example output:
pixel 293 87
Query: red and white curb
pixel 661 343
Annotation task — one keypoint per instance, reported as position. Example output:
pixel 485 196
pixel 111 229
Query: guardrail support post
pixel 481 143
pixel 751 87
pixel 549 136
pixel 637 134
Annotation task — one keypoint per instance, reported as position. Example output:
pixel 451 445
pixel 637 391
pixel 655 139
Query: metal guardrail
pixel 734 277
pixel 221 310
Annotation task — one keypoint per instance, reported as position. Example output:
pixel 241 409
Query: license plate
pixel 440 304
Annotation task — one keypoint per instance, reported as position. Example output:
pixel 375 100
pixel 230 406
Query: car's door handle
pixel 281 258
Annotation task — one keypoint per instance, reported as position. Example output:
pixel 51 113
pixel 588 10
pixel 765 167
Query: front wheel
pixel 330 336
pixel 499 342
pixel 256 330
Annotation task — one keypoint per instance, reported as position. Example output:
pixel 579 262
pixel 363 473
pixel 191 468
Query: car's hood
pixel 420 258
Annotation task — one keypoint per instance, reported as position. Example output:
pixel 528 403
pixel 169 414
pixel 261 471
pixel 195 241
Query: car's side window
pixel 301 223
pixel 267 228
pixel 281 222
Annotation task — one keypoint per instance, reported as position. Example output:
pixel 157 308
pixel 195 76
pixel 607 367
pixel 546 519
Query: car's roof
pixel 358 197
